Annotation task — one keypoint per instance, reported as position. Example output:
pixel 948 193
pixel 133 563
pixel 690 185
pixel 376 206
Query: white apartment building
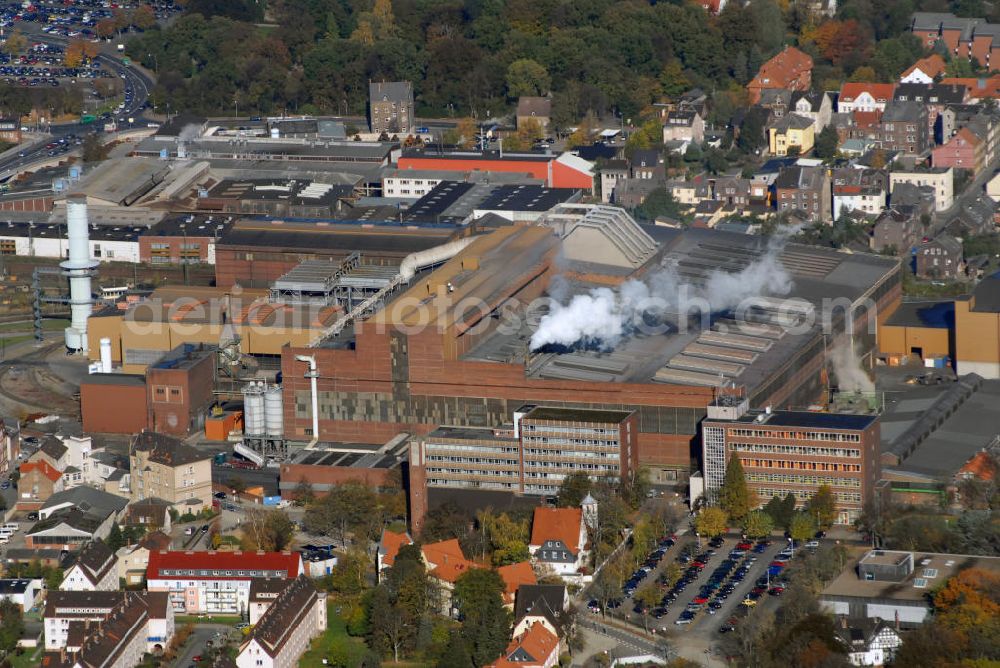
pixel 282 635
pixel 940 179
pixel 95 570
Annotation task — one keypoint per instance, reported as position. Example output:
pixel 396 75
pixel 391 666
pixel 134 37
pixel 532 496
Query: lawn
pixel 52 325
pixel 335 643
pixel 231 620
pixel 29 659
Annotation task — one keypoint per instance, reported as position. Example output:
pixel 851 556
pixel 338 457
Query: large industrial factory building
pixel 452 346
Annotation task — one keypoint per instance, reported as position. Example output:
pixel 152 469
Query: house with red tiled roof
pixel 963 150
pixel 537 647
pixel 982 466
pixel 39 480
pixel 791 69
pixel 923 71
pixel 863 96
pixel 514 576
pixel 389 547
pixel 201 582
pixel 559 539
pixel 982 88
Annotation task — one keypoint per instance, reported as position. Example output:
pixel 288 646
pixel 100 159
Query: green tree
pixel 11 625
pixel 823 507
pixel 802 528
pixel 486 623
pixel 53 578
pixel 573 490
pixel 735 497
pixel 271 530
pixel 456 653
pixel 658 203
pixel 400 606
pixel 827 142
pixel 526 77
pixel 712 522
pixel 788 505
pixel 94 149
pixel 673 82
pixel 751 137
pixel 304 494
pixel 648 596
pixel 758 524
pixel 115 538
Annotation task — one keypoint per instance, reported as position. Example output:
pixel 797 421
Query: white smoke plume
pixel 603 316
pixel 847 368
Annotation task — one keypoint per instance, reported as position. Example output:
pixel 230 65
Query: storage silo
pixel 253 409
pixel 273 412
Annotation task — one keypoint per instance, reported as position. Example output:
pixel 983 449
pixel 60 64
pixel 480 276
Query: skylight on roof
pixel 920 583
pixel 930 572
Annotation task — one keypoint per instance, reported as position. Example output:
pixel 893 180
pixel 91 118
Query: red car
pixel 779 562
pixel 698 564
pixel 745 546
pixel 700 600
pixel 776 591
pixel 759 590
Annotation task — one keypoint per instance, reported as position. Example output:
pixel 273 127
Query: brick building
pixel 804 189
pixel 167 468
pixel 793 452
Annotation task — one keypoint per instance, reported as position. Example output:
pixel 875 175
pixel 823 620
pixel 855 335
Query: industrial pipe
pixel 414 262
pixel 312 375
pixel 105 355
pixel 78 269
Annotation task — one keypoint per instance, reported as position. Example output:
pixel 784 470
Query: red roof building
pixel 863 96
pixel 964 150
pixel 43 467
pixel 216 582
pixel 986 88
pixel 514 576
pixel 791 69
pixel 924 70
pixel 537 647
pixel 389 547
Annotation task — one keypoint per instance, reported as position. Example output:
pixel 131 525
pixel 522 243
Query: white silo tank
pixel 274 421
pixel 78 268
pixel 253 409
pixel 105 355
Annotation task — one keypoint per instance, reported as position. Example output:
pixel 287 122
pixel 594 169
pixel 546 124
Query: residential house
pixel 152 513
pixel 390 107
pixel 904 128
pixel 264 592
pixel 388 548
pixel 976 217
pixel 804 189
pixel 95 569
pixel 689 193
pixel 612 172
pixel 941 179
pixel 514 577
pixel 971 38
pixel 964 150
pixel 538 109
pixel 632 192
pixel 776 100
pixel 898 228
pixel 791 134
pixel 167 468
pixel 791 69
pixel 21 591
pixel 732 191
pixel 216 582
pixel 941 258
pixel 133 560
pixel 38 482
pixel 70 617
pixel 815 105
pixel 53 451
pixel 981 89
pixel 446 562
pixel 924 71
pixel 936 97
pixel 86 499
pixel 647 165
pixel 869 642
pixel 982 467
pixel 535 647
pixel 861 190
pixel 542 603
pixel 858 96
pixel 559 540
pixel 284 632
pixel 684 124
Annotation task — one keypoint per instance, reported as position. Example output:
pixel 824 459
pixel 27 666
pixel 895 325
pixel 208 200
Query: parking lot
pixel 720 584
pixel 78 20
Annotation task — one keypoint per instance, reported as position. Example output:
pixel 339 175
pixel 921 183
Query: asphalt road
pixel 136 83
pixel 196 643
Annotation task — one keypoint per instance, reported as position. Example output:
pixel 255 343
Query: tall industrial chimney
pixel 78 268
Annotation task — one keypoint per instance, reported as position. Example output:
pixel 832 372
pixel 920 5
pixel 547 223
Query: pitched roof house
pixel 924 70
pixel 389 547
pixel 536 647
pixel 559 539
pixel 95 569
pixel 284 631
pixel 789 69
pixel 858 96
